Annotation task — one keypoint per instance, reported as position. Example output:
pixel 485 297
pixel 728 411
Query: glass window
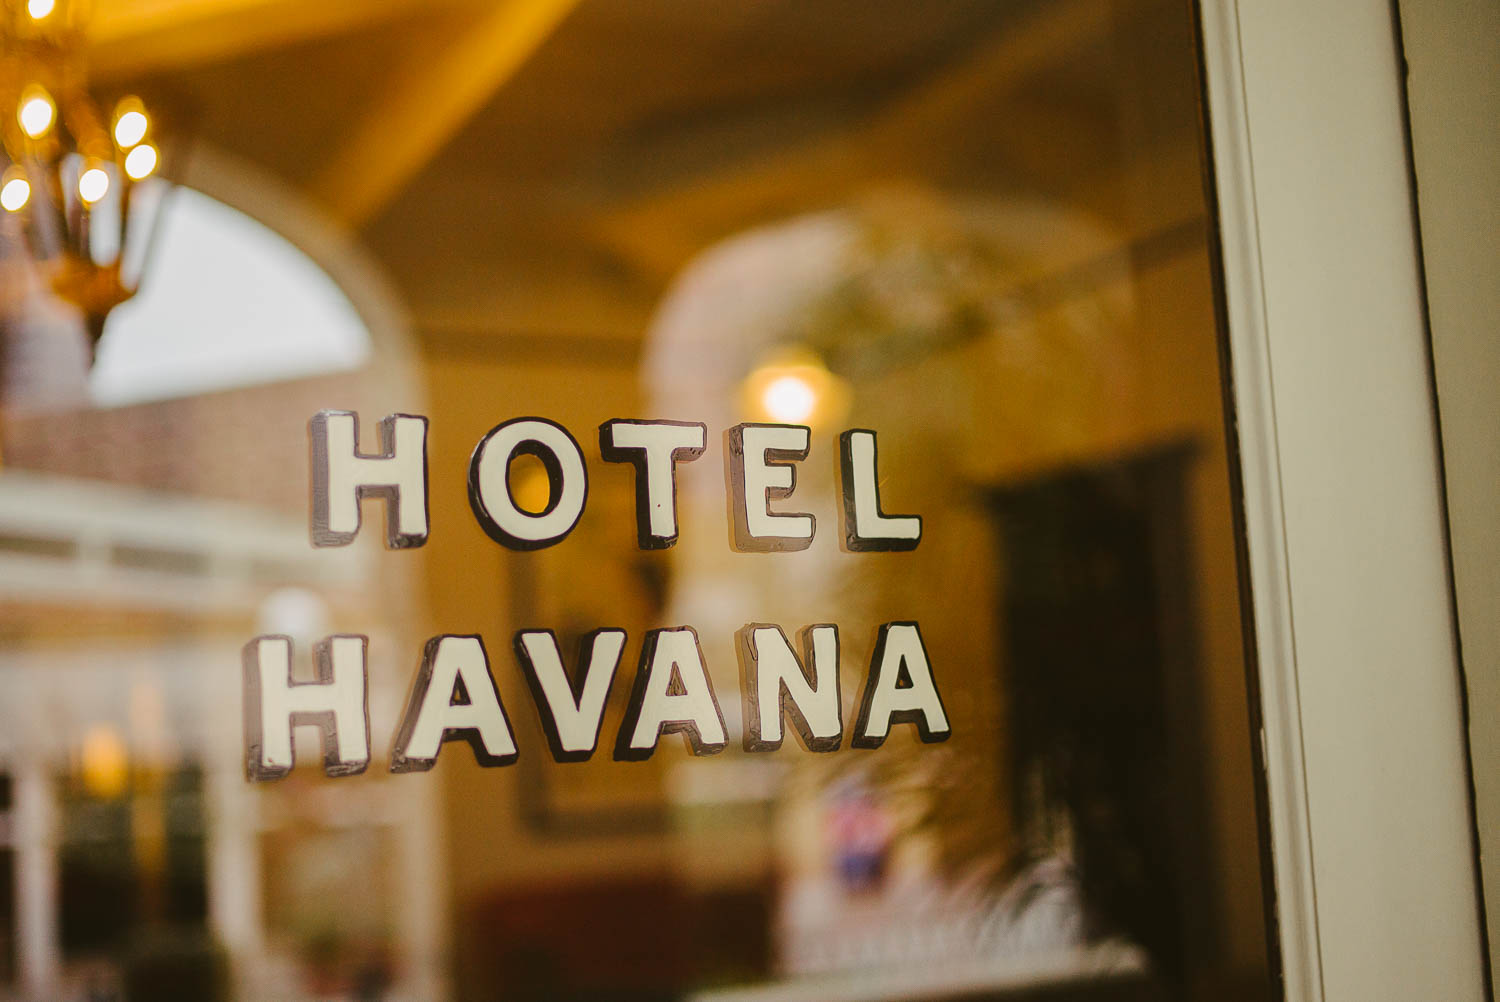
pixel 978 232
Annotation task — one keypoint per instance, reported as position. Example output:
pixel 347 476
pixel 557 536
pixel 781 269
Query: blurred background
pixel 979 227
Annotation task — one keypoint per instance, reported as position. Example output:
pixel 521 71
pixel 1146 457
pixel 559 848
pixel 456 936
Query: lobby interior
pixel 980 229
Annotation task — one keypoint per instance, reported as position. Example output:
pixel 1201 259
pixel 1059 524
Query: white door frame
pixel 1371 832
pixel 1453 91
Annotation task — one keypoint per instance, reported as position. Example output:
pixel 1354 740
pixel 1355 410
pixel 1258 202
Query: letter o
pixel 489 483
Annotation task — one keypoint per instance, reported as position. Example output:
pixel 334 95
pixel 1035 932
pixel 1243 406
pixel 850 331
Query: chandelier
pixel 79 181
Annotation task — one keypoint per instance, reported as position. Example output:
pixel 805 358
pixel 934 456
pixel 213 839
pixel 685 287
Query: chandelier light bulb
pixel 68 164
pixel 93 184
pixel 130 128
pixel 36 112
pixel 140 162
pixel 14 194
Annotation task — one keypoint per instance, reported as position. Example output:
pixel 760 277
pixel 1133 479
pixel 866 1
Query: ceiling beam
pixel 426 100
pixel 139 37
pixel 653 230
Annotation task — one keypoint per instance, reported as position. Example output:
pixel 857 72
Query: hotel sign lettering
pixel 454 696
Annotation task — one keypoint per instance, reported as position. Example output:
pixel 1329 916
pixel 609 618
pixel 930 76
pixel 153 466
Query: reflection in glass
pixel 977 229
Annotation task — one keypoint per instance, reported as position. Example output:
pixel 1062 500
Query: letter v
pixel 571 712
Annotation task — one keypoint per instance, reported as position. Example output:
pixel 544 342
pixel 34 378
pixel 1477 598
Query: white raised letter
pixel 672 694
pixel 900 690
pixel 866 527
pixel 342 476
pixel 438 711
pixel 571 711
pixel 654 448
pixel 776 683
pixel 760 470
pixel 336 702
pixel 489 483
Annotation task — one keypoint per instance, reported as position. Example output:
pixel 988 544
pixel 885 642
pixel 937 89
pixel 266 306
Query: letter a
pixel 672 694
pixel 900 690
pixel 453 698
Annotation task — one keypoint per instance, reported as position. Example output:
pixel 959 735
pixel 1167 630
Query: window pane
pixel 958 251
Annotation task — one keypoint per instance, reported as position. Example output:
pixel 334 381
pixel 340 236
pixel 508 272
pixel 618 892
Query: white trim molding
pixel 1363 740
pixel 1453 89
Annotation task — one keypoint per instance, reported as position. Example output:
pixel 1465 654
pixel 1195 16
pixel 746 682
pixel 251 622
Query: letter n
pixel 777 685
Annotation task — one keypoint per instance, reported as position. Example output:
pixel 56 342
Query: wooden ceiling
pixel 546 166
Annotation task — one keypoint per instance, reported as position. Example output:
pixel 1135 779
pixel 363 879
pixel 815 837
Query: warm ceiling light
pixel 39 9
pixel 105 761
pixel 15 193
pixel 130 128
pixel 93 184
pixel 789 399
pixel 36 112
pixel 140 161
pixel 793 386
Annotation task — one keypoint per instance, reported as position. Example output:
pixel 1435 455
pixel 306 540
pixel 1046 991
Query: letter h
pixel 336 702
pixel 342 476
